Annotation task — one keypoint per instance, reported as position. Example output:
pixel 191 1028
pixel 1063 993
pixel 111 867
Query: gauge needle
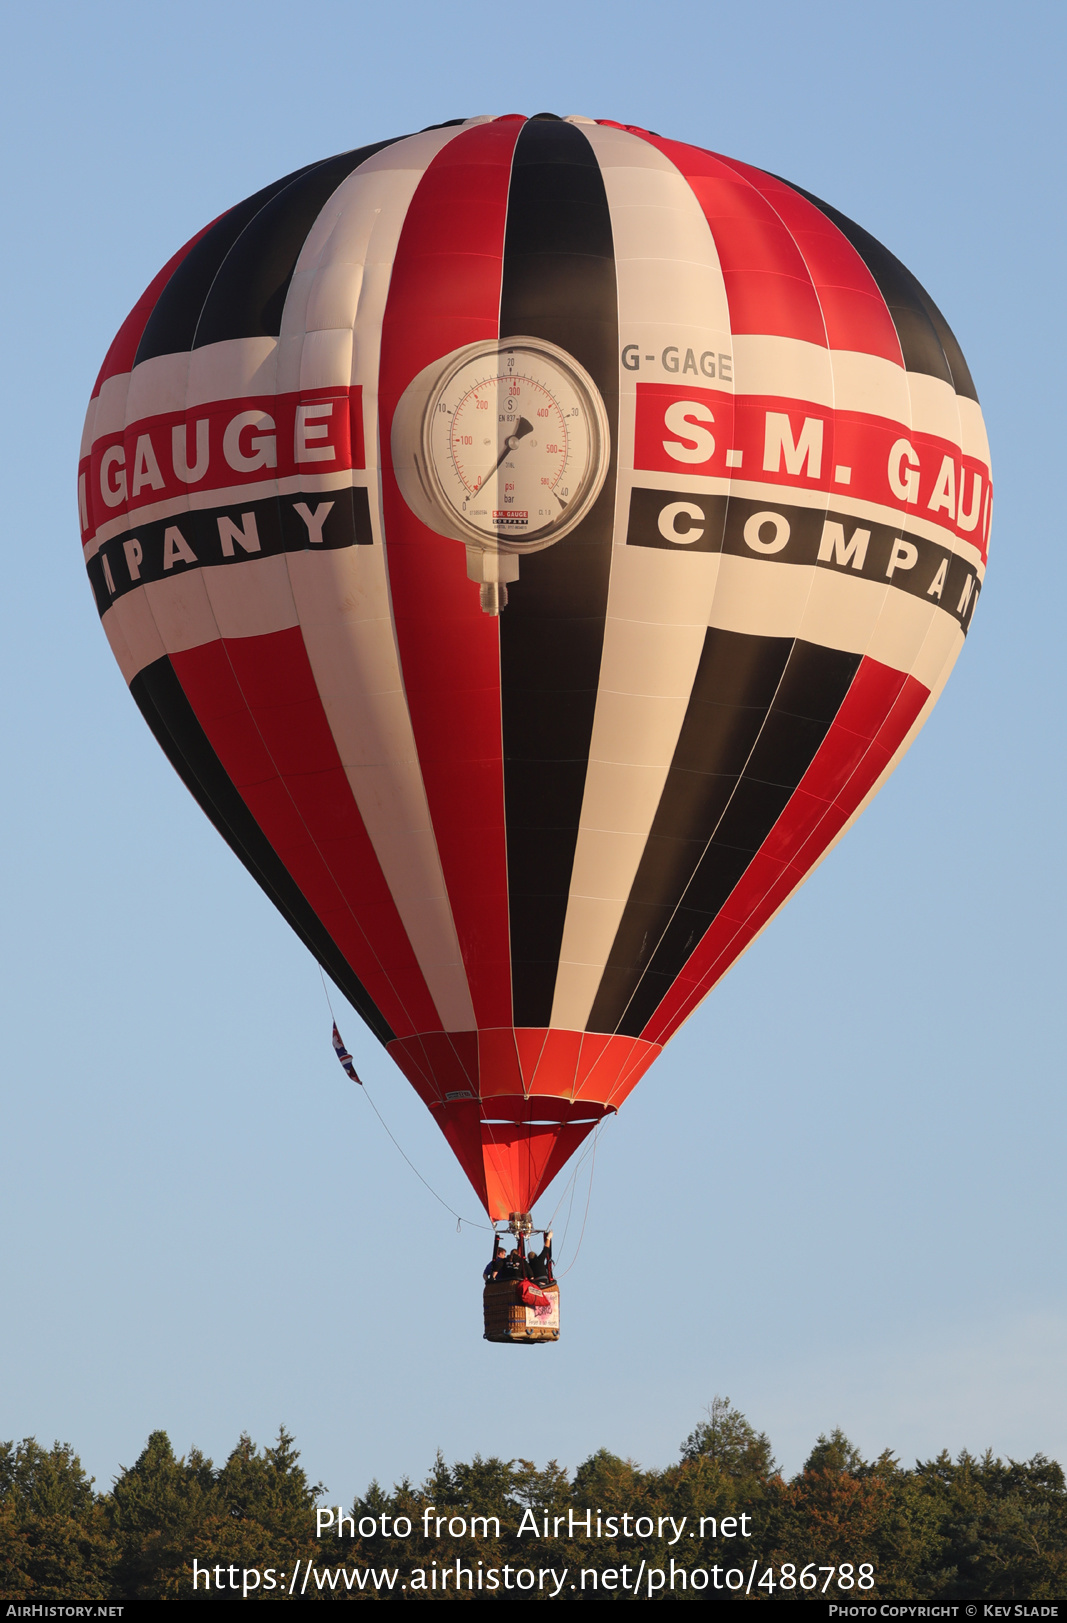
pixel 522 428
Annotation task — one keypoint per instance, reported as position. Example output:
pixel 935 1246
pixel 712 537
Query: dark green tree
pixel 726 1440
pixel 55 1543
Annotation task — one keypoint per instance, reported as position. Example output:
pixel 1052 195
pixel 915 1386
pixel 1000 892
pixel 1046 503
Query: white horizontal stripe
pixel 231 368
pixel 698 483
pixel 939 653
pixel 159 385
pixel 253 599
pixel 108 411
pixel 934 407
pixel 783 366
pixel 182 611
pixel 316 360
pixel 836 615
pixel 902 628
pixel 761 598
pixel 133 633
pixel 975 440
pixel 89 427
pixel 848 380
pixel 871 384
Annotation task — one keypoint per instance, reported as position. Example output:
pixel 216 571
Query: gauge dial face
pixel 516 442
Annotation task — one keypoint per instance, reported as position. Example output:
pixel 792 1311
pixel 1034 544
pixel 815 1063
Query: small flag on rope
pixel 343 1055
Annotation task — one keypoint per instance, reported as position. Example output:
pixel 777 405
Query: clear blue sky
pixel 839 1197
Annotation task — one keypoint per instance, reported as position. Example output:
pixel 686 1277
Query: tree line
pixel 970 1528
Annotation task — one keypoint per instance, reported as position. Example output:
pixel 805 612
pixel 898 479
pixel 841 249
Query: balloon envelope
pixel 527 843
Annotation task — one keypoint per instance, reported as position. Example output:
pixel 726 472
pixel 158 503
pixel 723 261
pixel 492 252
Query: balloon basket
pixel 509 1318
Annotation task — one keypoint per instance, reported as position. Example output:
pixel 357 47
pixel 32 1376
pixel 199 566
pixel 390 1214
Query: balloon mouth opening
pixel 511 1148
pixel 527 1110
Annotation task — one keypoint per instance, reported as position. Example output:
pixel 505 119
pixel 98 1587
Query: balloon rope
pixel 407 1158
pixel 568 1193
pixel 570 1206
pixel 568 1190
pixel 588 1197
pixel 418 1174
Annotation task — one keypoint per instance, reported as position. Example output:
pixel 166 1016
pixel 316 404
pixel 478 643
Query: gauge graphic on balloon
pixel 533 542
pixel 472 465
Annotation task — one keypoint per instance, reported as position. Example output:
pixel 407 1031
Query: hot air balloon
pixel 533 541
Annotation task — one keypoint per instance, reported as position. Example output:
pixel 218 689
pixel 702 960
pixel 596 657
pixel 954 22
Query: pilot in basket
pixel 521 1298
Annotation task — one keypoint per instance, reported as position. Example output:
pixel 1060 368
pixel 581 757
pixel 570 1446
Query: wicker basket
pixel 507 1318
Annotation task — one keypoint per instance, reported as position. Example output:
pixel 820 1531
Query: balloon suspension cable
pixel 460 1220
pixel 588 1197
pixel 568 1193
